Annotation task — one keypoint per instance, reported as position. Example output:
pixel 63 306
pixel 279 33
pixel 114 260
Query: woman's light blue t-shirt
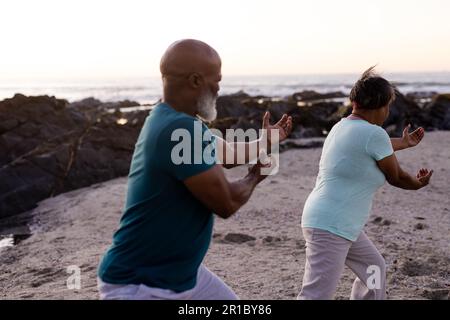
pixel 348 178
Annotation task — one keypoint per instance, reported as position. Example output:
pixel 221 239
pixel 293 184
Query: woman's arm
pixel 401 179
pixel 408 140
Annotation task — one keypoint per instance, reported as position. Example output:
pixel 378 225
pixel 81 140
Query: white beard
pixel 206 107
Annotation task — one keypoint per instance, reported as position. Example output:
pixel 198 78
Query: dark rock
pixel 88 103
pixel 300 132
pixel 48 146
pixel 238 238
pixel 28 130
pixel 278 108
pixel 421 97
pixel 313 114
pixel 308 95
pixel 120 104
pixel 221 124
pixel 8 124
pixel 316 120
pixel 231 106
pixel 439 112
pixel 18 238
pixel 247 123
pixel 403 112
pixel 300 144
pixel 9 141
pixel 245 112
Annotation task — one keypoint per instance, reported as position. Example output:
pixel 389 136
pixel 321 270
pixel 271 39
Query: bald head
pixel 189 56
pixel 191 72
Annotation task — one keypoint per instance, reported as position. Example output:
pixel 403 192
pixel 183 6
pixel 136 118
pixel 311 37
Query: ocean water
pixel 148 90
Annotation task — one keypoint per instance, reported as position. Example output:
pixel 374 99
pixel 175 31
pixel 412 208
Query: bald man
pixel 167 223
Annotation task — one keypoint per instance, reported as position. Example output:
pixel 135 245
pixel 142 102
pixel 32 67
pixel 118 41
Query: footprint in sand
pixel 379 221
pixel 420 226
pixel 271 240
pixel 44 275
pixel 440 294
pixel 414 268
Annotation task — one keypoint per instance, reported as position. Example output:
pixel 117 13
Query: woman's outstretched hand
pixel 412 139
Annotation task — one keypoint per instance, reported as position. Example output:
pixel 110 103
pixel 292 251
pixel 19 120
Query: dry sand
pixel 260 251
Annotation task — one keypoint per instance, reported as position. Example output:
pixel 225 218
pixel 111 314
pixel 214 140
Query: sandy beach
pixel 260 251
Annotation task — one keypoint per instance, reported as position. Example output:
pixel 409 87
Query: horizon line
pixel 224 75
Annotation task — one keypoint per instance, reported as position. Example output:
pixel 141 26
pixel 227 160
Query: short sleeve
pixel 187 148
pixel 379 145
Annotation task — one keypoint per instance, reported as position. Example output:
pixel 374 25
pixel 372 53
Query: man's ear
pixel 195 80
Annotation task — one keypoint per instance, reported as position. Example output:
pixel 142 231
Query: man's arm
pixel 237 153
pixel 218 194
pixel 232 154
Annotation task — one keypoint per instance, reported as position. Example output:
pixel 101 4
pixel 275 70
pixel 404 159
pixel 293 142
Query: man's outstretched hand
pixel 284 127
pixel 264 161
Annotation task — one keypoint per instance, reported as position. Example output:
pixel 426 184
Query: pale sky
pixel 111 38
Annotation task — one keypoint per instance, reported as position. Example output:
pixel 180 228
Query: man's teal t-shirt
pixel 164 231
pixel 348 178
